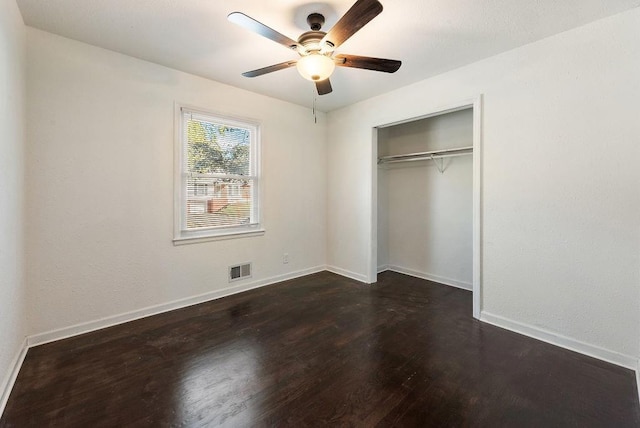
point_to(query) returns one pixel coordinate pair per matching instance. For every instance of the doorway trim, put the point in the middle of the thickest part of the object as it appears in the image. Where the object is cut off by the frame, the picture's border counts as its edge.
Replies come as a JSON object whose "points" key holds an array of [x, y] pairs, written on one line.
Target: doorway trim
{"points": [[474, 103]]}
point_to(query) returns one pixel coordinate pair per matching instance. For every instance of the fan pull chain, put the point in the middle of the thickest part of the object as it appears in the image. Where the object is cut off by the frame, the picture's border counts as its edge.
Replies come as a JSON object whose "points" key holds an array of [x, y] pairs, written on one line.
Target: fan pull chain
{"points": [[315, 116]]}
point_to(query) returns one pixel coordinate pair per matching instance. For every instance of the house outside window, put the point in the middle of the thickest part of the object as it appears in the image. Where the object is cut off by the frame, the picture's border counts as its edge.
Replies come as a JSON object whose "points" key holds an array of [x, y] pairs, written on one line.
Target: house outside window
{"points": [[217, 177]]}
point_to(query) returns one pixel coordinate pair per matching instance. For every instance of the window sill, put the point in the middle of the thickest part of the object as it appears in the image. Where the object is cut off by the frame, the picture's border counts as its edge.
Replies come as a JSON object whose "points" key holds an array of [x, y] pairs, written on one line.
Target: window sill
{"points": [[221, 237]]}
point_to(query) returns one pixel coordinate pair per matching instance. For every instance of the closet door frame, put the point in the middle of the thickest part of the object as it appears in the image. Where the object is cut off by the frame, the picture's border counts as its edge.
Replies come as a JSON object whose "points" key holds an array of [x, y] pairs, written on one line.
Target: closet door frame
{"points": [[475, 104]]}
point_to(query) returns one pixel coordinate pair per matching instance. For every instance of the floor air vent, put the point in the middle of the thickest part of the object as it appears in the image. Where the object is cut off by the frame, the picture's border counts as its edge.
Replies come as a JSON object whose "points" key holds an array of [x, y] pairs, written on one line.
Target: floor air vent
{"points": [[239, 272]]}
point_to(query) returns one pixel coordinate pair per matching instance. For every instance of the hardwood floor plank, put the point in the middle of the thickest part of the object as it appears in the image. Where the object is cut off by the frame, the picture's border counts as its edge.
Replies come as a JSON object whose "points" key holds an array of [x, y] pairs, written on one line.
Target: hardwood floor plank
{"points": [[321, 350]]}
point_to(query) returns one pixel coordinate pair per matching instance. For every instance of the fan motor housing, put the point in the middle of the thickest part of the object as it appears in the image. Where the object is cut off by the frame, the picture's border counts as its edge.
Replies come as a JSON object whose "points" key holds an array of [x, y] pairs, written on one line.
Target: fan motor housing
{"points": [[311, 37], [310, 41]]}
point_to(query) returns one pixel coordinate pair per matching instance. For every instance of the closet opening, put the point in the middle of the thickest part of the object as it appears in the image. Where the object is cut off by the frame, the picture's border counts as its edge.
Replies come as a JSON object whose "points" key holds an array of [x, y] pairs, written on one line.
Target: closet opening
{"points": [[426, 188]]}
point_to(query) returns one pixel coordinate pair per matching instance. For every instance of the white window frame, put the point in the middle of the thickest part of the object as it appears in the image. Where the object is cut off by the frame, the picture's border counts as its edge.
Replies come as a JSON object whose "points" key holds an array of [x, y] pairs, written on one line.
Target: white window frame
{"points": [[182, 235]]}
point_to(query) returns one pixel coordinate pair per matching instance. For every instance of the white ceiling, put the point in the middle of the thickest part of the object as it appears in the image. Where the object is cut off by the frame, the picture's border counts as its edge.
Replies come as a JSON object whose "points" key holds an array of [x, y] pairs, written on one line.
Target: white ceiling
{"points": [[428, 36]]}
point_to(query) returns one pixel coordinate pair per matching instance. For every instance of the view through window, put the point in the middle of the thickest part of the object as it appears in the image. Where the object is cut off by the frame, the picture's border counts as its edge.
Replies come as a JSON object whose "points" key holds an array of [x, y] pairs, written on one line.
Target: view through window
{"points": [[219, 175]]}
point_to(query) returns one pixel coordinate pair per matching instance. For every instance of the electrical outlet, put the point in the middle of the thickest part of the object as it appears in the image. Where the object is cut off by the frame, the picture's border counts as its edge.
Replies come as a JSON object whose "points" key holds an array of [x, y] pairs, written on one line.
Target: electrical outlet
{"points": [[285, 258]]}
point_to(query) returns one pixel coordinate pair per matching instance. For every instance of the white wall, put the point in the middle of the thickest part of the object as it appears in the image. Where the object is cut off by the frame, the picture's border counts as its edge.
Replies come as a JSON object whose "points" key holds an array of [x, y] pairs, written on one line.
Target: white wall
{"points": [[424, 216], [382, 219], [100, 185], [13, 314], [560, 196]]}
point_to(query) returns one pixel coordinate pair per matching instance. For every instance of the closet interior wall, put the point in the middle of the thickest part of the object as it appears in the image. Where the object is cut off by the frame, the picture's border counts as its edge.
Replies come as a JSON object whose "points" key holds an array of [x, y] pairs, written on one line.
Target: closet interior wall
{"points": [[425, 222]]}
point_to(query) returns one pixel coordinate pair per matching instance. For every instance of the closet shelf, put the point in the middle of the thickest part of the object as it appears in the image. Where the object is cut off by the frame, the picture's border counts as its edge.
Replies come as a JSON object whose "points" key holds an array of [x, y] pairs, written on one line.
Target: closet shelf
{"points": [[435, 154]]}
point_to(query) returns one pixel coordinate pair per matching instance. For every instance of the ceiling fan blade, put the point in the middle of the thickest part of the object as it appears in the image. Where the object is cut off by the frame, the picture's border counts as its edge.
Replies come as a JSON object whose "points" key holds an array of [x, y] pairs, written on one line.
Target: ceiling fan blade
{"points": [[357, 17], [369, 63], [269, 69], [251, 24], [324, 87]]}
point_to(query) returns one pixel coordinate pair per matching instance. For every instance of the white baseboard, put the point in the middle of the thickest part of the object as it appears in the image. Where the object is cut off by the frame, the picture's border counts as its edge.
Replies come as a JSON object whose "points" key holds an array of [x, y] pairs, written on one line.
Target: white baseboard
{"points": [[89, 326], [556, 339], [12, 375], [431, 277], [382, 268], [347, 273]]}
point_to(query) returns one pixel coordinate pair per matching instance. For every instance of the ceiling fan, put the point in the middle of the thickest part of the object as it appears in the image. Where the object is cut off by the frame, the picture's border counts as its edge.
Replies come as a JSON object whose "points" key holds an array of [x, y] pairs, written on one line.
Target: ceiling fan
{"points": [[316, 48]]}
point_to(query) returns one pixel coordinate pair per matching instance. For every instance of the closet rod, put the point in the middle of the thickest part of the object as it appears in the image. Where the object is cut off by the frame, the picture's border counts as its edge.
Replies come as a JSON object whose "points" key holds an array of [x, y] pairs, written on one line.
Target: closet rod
{"points": [[435, 154]]}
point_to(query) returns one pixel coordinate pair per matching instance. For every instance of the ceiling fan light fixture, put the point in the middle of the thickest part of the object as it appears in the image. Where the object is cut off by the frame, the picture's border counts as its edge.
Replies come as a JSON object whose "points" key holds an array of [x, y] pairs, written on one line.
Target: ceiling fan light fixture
{"points": [[315, 67], [316, 47]]}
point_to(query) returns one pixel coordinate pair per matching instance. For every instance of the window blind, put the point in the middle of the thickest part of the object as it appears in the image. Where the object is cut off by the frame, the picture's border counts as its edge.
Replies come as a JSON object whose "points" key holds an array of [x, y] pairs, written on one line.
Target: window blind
{"points": [[219, 173]]}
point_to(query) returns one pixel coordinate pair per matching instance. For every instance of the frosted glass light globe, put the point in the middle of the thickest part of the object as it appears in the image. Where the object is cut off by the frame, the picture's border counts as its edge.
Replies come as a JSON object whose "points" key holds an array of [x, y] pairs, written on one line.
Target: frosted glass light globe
{"points": [[315, 67]]}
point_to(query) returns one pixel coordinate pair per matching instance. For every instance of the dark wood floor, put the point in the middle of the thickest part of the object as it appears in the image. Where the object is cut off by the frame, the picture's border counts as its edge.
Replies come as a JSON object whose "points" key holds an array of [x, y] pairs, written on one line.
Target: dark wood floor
{"points": [[319, 351]]}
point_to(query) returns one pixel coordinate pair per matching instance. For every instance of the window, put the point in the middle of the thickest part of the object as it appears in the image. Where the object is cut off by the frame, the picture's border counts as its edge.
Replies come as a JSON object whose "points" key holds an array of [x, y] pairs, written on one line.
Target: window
{"points": [[217, 182]]}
